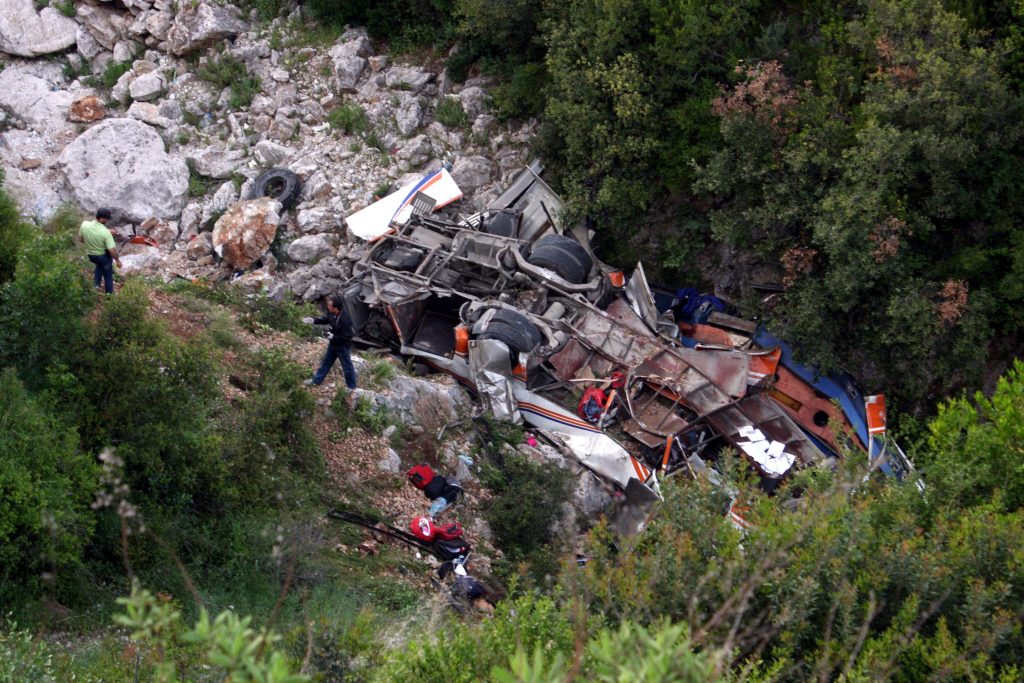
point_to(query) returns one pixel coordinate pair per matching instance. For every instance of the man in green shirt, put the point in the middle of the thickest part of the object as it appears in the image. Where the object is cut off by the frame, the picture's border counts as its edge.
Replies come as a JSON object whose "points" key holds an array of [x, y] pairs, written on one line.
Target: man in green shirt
{"points": [[99, 247]]}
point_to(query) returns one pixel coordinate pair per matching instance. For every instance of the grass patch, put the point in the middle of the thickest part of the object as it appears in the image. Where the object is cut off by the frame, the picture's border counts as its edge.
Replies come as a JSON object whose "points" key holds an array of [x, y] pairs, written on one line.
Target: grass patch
{"points": [[450, 113], [348, 118], [226, 71], [108, 79], [265, 313], [381, 373]]}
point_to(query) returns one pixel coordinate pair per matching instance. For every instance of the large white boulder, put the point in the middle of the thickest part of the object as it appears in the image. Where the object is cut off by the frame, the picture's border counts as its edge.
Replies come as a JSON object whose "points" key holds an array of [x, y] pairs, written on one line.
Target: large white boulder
{"points": [[33, 100], [121, 164], [198, 26], [27, 33], [246, 231]]}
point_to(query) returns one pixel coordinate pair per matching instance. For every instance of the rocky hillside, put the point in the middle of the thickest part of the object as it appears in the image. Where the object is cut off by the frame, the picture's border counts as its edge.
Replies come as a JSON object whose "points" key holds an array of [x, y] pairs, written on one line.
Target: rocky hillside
{"points": [[167, 112]]}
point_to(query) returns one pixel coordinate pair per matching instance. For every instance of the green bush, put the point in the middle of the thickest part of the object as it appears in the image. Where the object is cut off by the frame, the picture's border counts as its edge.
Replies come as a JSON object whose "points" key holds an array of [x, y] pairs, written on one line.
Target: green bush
{"points": [[468, 652], [266, 437], [152, 395], [527, 500], [348, 118], [227, 71], [24, 657], [450, 113], [13, 233], [111, 74], [46, 485], [42, 309], [285, 316]]}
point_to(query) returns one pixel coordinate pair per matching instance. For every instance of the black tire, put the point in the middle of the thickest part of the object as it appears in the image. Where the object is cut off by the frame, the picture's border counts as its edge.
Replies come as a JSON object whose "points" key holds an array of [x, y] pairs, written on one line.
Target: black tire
{"points": [[515, 330], [280, 184], [563, 255]]}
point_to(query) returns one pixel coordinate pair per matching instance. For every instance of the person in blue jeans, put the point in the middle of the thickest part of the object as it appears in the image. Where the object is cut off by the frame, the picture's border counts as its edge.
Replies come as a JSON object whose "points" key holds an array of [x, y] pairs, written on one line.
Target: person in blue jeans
{"points": [[99, 247], [339, 345]]}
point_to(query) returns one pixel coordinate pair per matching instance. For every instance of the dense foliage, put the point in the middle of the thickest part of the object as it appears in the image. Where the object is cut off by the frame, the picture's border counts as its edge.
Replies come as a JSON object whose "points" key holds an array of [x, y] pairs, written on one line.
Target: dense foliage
{"points": [[863, 154]]}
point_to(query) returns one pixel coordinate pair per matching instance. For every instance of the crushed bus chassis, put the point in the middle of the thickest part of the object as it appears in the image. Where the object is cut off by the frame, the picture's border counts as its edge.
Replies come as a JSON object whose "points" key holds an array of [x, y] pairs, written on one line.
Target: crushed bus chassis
{"points": [[518, 309]]}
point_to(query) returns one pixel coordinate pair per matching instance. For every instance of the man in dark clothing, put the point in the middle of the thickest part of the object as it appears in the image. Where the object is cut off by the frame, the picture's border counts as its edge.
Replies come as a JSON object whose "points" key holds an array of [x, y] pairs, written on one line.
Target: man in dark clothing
{"points": [[339, 346]]}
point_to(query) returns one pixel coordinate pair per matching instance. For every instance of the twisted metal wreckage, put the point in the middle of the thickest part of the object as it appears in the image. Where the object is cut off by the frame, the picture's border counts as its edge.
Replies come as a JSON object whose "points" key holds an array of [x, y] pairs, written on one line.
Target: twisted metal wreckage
{"points": [[516, 307]]}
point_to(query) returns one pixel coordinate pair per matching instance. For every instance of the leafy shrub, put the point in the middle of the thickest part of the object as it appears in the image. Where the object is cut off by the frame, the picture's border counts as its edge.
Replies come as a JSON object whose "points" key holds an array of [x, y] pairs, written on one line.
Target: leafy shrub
{"points": [[166, 391], [24, 657], [284, 316], [449, 112], [226, 71], [13, 233], [47, 484], [42, 309], [113, 72], [522, 93], [266, 438], [468, 651], [527, 500], [348, 118]]}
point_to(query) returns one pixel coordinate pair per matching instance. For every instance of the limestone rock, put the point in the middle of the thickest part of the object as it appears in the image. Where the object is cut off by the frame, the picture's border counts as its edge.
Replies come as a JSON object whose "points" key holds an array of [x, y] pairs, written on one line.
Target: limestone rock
{"points": [[148, 113], [157, 24], [216, 162], [32, 100], [200, 26], [391, 462], [121, 164], [310, 249], [26, 33], [414, 153], [347, 70], [474, 101], [411, 78], [162, 232], [88, 109], [409, 116], [120, 91], [224, 197], [326, 277], [106, 26], [319, 219], [471, 173], [200, 246], [147, 261], [88, 46], [148, 86], [246, 231], [420, 402], [269, 154]]}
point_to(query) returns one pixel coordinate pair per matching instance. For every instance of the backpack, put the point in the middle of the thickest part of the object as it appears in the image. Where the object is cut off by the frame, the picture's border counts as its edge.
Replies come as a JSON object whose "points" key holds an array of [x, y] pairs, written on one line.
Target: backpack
{"points": [[448, 550], [423, 528], [448, 532], [420, 476], [591, 405]]}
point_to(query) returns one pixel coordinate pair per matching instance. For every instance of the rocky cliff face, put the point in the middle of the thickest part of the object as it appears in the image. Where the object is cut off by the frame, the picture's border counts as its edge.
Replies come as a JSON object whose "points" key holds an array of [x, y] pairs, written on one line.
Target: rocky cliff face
{"points": [[169, 112]]}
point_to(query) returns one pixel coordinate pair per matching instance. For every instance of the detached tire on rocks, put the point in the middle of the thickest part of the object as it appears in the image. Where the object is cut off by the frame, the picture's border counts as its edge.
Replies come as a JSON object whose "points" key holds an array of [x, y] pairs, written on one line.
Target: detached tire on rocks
{"points": [[280, 184], [563, 255], [519, 334]]}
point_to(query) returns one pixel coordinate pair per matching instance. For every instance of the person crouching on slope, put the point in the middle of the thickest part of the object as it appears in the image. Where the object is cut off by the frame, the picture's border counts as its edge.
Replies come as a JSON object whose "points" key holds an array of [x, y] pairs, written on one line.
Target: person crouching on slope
{"points": [[339, 346]]}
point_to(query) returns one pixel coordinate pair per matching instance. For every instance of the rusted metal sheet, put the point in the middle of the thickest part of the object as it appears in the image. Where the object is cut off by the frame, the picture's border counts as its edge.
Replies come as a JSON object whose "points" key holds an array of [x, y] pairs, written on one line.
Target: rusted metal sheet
{"points": [[570, 359], [639, 293], [727, 369], [615, 340]]}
